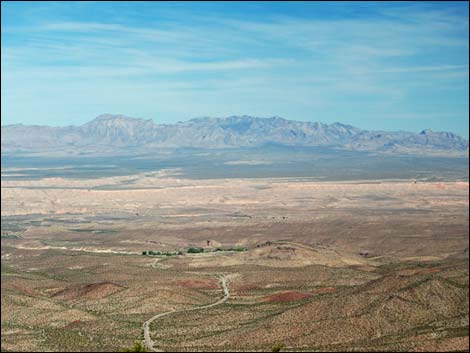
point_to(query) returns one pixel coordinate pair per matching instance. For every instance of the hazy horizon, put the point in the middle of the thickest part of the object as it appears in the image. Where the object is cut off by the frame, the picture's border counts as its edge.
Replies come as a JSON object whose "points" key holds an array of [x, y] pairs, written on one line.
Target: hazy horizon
{"points": [[378, 66], [223, 117]]}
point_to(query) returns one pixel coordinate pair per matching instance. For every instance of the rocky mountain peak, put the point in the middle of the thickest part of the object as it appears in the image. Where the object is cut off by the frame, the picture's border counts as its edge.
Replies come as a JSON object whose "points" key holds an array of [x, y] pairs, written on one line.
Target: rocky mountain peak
{"points": [[227, 132]]}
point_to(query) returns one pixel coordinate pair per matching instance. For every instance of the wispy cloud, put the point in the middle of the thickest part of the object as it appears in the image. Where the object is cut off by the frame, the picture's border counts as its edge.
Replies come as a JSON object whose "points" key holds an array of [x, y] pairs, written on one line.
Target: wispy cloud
{"points": [[330, 66], [424, 68], [425, 116]]}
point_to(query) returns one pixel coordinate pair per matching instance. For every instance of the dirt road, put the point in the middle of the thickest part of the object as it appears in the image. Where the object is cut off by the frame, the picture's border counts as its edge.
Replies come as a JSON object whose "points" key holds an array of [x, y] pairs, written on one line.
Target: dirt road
{"points": [[148, 341]]}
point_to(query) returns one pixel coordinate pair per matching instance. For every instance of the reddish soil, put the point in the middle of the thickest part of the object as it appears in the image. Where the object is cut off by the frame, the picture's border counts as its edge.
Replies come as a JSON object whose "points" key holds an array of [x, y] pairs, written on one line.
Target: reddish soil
{"points": [[24, 289], [287, 297], [74, 323], [244, 287], [89, 291]]}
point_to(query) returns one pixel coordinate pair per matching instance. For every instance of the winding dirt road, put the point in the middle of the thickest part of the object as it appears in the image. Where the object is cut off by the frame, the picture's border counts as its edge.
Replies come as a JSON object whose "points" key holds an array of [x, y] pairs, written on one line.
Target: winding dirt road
{"points": [[148, 341]]}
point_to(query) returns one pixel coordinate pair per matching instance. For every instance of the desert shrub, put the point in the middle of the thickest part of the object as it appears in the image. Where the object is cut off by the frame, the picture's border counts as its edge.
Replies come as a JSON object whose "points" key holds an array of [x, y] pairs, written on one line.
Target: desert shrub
{"points": [[138, 347], [195, 250], [237, 248], [160, 253], [277, 347]]}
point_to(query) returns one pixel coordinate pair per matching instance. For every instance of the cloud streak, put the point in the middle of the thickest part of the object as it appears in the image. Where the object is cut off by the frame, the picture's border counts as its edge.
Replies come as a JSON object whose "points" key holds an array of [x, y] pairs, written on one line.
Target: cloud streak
{"points": [[331, 65]]}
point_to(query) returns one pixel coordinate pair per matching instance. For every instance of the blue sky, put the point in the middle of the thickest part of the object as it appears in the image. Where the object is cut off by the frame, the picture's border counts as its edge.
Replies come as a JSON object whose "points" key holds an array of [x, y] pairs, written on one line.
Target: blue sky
{"points": [[391, 66]]}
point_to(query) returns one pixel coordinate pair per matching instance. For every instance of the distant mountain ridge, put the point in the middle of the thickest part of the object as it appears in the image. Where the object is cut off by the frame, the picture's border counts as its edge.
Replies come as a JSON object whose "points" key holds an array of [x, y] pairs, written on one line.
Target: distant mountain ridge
{"points": [[118, 131]]}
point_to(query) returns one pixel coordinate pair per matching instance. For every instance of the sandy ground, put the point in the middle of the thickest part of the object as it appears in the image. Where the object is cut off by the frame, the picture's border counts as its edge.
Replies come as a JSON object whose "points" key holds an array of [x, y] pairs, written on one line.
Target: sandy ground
{"points": [[170, 196], [328, 265]]}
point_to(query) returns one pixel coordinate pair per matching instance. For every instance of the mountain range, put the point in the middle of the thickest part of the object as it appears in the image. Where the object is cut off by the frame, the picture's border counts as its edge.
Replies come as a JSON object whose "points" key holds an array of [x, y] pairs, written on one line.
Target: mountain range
{"points": [[108, 132]]}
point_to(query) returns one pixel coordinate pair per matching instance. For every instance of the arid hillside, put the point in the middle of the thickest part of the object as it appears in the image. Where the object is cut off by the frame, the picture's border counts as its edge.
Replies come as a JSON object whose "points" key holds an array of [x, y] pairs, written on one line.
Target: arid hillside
{"points": [[89, 264]]}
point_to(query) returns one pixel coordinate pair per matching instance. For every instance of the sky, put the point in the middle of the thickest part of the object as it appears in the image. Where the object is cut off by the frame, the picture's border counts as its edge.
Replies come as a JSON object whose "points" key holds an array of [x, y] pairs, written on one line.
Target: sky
{"points": [[374, 65]]}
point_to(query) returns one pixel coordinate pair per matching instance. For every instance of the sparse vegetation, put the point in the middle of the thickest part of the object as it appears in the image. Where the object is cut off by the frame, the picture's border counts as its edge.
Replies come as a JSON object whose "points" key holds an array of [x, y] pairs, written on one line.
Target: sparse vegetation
{"points": [[278, 347], [92, 291], [161, 253], [236, 248], [6, 235], [195, 250], [137, 347]]}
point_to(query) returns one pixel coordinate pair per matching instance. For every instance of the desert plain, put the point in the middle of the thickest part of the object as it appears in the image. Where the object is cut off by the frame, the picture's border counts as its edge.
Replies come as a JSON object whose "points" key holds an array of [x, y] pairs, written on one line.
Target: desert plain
{"points": [[309, 264]]}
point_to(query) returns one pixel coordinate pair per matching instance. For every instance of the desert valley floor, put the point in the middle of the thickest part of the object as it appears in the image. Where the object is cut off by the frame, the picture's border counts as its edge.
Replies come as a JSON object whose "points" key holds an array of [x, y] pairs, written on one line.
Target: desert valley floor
{"points": [[309, 265]]}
